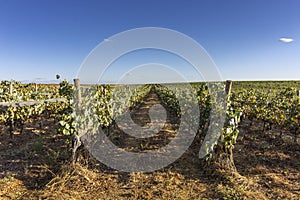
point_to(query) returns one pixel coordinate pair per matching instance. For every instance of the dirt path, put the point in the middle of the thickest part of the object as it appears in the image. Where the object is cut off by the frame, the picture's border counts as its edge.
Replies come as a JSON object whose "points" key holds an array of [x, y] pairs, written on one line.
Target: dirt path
{"points": [[165, 128]]}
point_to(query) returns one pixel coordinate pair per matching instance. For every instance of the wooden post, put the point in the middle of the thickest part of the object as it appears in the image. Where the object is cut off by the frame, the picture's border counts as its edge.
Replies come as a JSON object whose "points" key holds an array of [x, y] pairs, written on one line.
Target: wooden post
{"points": [[77, 142], [10, 88], [77, 90], [35, 87], [228, 88], [298, 95]]}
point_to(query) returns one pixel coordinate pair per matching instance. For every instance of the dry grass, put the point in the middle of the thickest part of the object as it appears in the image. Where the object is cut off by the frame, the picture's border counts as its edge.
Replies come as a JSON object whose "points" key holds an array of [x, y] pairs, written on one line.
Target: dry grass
{"points": [[36, 165], [31, 172]]}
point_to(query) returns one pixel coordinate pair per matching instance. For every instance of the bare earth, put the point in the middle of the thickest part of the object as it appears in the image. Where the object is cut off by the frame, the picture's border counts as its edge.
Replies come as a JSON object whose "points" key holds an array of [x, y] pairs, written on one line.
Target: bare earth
{"points": [[35, 164]]}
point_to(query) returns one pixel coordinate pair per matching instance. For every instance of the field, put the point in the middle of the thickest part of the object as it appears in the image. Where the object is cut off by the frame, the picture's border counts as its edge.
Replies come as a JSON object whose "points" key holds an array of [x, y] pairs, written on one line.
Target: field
{"points": [[36, 161]]}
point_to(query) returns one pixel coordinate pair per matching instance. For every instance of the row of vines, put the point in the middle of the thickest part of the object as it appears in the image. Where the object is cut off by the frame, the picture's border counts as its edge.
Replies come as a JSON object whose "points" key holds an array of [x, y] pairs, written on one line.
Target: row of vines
{"points": [[279, 109], [87, 108], [17, 116]]}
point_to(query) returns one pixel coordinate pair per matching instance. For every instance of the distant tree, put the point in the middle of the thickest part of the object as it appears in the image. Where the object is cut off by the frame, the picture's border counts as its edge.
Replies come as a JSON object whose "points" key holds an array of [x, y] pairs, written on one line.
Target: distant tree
{"points": [[57, 76]]}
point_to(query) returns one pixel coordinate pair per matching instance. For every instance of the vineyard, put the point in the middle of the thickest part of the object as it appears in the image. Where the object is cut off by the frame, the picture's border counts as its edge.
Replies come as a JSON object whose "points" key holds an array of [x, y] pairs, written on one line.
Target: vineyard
{"points": [[256, 154]]}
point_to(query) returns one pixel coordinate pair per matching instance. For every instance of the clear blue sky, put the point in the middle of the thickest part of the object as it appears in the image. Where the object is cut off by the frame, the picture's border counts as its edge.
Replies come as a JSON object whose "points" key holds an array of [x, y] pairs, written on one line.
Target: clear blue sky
{"points": [[42, 38]]}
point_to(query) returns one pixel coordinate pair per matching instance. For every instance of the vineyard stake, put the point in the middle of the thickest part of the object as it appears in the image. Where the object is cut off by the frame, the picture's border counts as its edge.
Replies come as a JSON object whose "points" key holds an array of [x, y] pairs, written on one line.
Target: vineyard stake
{"points": [[36, 87], [77, 88], [228, 88], [10, 88]]}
